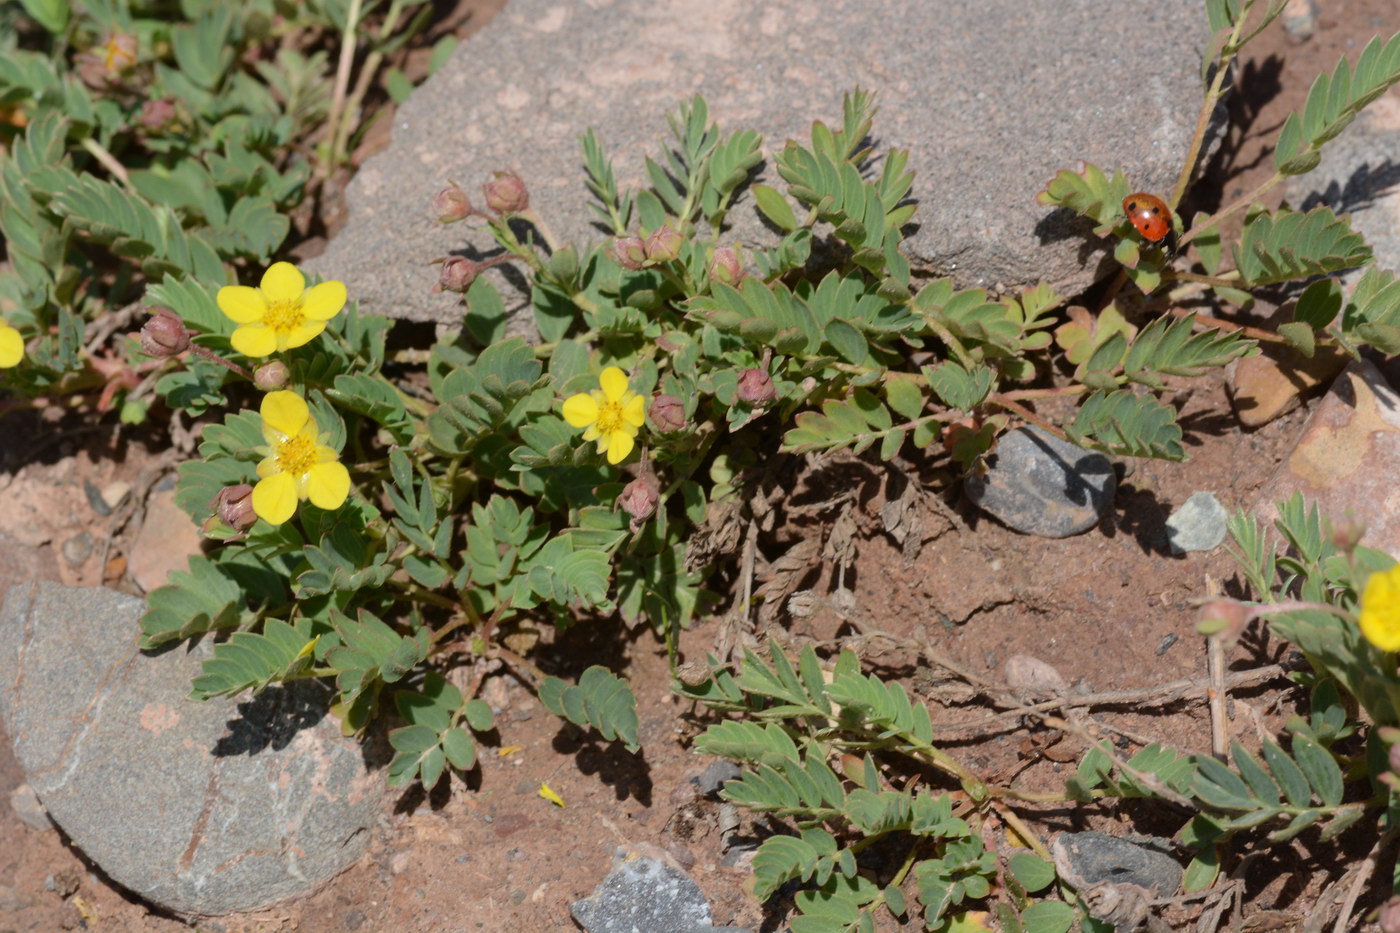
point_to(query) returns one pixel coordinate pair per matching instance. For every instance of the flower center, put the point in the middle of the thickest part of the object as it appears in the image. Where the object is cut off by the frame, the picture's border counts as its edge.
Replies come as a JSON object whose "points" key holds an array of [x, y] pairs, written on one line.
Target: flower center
{"points": [[283, 316], [296, 455], [610, 417]]}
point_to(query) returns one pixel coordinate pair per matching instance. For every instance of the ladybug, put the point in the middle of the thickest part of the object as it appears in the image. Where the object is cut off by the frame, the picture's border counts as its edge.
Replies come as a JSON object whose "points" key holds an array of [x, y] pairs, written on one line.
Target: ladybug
{"points": [[1149, 214]]}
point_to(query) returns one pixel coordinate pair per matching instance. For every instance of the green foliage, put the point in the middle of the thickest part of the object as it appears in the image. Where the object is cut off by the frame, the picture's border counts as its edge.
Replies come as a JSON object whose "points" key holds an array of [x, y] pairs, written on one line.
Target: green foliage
{"points": [[441, 723], [600, 700], [252, 660], [1291, 245]]}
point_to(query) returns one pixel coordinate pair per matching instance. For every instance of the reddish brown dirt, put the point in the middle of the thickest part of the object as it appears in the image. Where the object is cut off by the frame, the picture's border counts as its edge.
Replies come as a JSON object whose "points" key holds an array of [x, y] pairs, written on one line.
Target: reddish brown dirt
{"points": [[1109, 609]]}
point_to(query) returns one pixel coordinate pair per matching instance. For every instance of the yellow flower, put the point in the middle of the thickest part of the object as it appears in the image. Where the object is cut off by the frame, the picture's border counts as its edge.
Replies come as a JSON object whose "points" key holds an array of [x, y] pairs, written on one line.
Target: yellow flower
{"points": [[298, 466], [611, 414], [281, 313], [11, 346], [1380, 609]]}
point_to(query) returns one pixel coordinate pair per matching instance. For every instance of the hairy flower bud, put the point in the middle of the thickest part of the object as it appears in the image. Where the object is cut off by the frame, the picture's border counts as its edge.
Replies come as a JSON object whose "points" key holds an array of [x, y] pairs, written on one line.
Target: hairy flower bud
{"points": [[451, 205], [505, 193], [725, 265], [639, 498], [457, 274], [667, 413], [664, 244], [234, 506], [630, 252], [755, 386], [156, 114], [1389, 919], [102, 66], [164, 334], [269, 377]]}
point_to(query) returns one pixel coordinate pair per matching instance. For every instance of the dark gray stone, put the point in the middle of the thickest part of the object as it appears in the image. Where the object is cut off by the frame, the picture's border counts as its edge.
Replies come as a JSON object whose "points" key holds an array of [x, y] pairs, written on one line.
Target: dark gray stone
{"points": [[1089, 858], [1041, 485], [716, 773], [201, 808], [991, 98], [1199, 525], [643, 893]]}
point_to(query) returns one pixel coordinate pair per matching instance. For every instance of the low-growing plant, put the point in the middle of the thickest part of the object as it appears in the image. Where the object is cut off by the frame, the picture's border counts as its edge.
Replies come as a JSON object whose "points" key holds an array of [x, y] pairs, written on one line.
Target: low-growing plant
{"points": [[390, 520]]}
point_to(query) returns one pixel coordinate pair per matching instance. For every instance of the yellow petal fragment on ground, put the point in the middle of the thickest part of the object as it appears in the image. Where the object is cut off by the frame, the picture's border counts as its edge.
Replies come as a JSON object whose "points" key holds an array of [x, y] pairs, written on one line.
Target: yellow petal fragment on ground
{"points": [[548, 793]]}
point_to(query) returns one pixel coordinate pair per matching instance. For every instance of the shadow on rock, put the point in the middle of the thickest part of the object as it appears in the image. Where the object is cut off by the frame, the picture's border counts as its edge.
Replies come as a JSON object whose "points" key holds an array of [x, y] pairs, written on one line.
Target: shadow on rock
{"points": [[273, 718]]}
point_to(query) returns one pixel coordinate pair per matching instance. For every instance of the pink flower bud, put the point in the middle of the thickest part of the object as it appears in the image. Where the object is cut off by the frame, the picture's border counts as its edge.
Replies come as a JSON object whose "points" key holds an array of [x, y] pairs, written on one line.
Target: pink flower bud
{"points": [[1234, 615], [234, 506], [630, 252], [451, 204], [457, 274], [667, 413], [664, 244], [639, 498], [164, 334], [505, 193], [1394, 758], [1389, 919], [755, 386], [269, 377], [725, 265], [156, 114]]}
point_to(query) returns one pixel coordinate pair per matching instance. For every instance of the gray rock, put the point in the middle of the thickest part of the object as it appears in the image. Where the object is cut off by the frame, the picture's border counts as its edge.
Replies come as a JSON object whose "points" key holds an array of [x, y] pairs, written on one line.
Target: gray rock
{"points": [[201, 808], [1199, 525], [1041, 485], [643, 893], [1360, 175], [25, 803], [714, 776], [991, 97], [1300, 19], [1086, 859]]}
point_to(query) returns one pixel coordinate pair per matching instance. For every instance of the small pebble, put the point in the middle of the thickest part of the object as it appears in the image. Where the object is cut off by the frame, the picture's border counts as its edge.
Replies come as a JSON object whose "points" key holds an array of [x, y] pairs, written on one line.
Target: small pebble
{"points": [[1167, 641], [716, 773], [1199, 525], [77, 549]]}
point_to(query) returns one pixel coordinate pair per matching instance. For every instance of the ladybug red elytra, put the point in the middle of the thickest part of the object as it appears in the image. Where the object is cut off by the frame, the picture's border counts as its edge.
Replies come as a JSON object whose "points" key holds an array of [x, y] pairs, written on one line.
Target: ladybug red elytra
{"points": [[1149, 214]]}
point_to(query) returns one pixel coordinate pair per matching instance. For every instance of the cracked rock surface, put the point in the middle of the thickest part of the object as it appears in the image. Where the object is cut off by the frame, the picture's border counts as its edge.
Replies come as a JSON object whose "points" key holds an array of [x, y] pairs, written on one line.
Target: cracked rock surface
{"points": [[201, 808]]}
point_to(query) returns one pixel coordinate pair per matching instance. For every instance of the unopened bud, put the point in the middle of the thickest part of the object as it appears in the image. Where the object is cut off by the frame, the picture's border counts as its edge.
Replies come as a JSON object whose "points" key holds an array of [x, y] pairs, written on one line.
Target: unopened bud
{"points": [[234, 506], [725, 265], [1394, 758], [505, 193], [164, 334], [755, 386], [1347, 534], [1389, 919], [630, 252], [1226, 618], [451, 204], [664, 244], [457, 274], [157, 114], [103, 65], [639, 498], [269, 377], [667, 413]]}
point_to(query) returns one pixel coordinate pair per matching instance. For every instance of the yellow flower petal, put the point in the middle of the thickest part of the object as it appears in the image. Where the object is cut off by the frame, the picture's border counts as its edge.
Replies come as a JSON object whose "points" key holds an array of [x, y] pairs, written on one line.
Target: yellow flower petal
{"points": [[327, 485], [241, 304], [283, 282], [254, 340], [275, 498], [285, 411], [620, 444], [303, 333], [580, 410], [267, 466], [1380, 609], [592, 433], [613, 382], [548, 793], [323, 302], [11, 347], [634, 410]]}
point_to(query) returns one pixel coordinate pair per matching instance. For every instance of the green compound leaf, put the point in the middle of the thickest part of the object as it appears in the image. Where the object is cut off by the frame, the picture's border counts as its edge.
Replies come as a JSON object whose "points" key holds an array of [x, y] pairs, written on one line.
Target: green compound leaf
{"points": [[1320, 768], [1169, 346], [1333, 102], [781, 859], [883, 705], [376, 399], [432, 739], [601, 700], [1287, 245], [252, 660], [1088, 192], [1048, 917], [746, 740], [775, 207], [478, 395], [786, 784], [204, 598], [1123, 423], [958, 388], [856, 422], [1372, 313]]}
